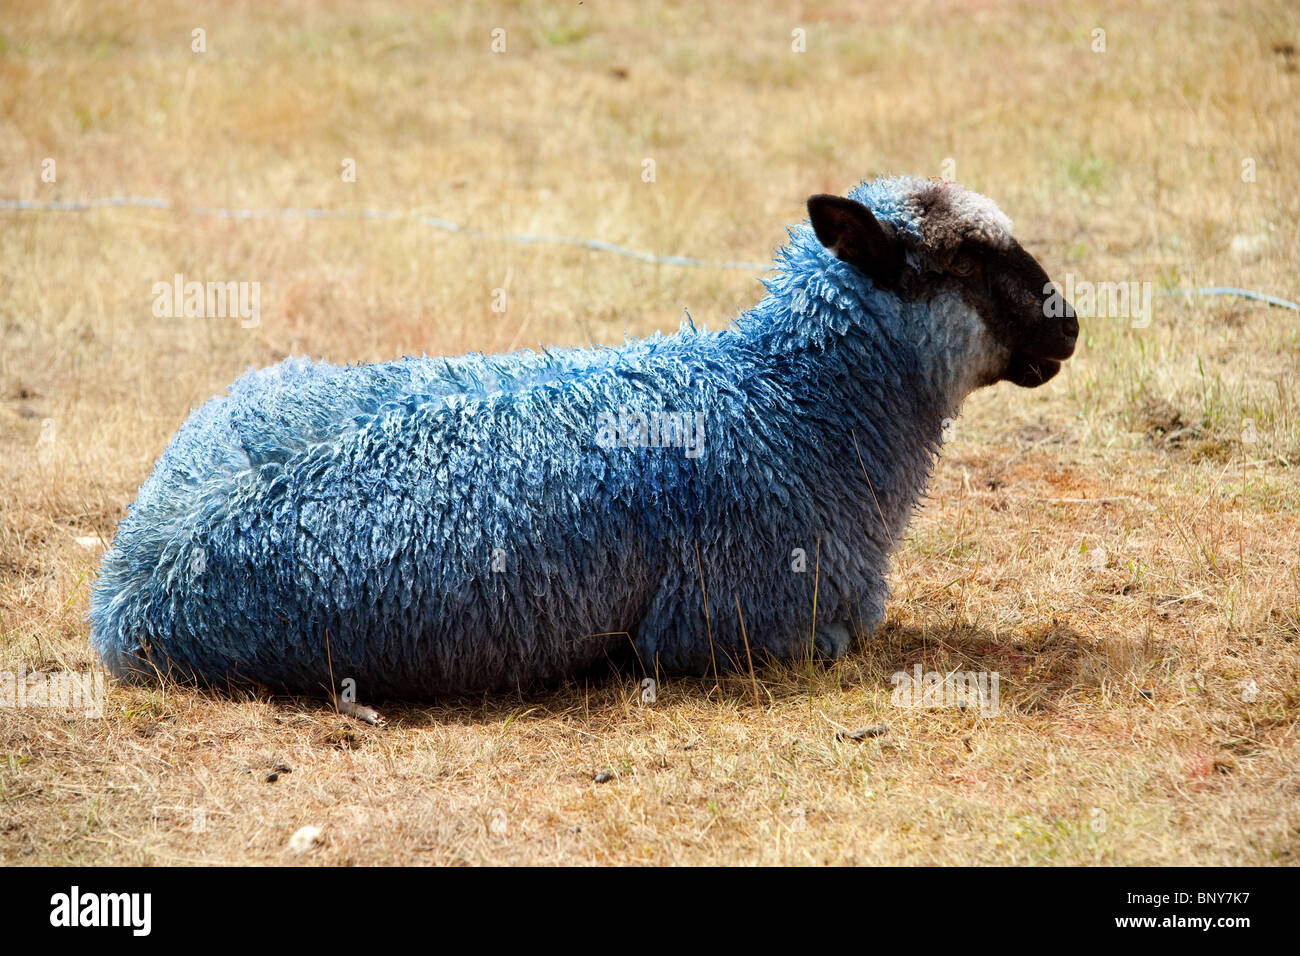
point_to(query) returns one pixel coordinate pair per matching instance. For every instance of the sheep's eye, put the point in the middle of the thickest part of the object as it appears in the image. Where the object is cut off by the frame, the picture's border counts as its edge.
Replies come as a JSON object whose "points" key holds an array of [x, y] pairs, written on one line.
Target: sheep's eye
{"points": [[963, 266]]}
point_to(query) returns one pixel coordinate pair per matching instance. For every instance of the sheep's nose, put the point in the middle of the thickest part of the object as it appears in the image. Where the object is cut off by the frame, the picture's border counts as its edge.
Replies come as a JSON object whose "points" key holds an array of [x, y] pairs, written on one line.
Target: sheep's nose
{"points": [[1069, 324]]}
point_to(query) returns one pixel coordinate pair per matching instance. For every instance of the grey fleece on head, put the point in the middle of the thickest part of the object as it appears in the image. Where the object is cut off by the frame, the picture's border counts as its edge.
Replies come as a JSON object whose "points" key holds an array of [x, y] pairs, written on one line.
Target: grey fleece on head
{"points": [[939, 214]]}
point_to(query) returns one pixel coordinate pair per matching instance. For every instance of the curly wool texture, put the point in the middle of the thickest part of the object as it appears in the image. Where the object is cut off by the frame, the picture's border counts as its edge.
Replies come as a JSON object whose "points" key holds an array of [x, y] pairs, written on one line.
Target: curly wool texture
{"points": [[437, 526]]}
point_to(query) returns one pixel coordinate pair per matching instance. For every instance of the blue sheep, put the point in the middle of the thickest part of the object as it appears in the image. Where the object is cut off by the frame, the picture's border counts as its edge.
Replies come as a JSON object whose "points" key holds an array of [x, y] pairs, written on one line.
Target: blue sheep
{"points": [[437, 526]]}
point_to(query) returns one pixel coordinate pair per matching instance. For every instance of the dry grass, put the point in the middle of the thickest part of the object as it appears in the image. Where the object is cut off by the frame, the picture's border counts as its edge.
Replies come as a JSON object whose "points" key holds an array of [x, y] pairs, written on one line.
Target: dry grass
{"points": [[1108, 544]]}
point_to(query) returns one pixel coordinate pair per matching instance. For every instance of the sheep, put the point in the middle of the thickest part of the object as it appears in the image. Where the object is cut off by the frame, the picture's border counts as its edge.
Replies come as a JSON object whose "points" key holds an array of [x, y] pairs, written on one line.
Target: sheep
{"points": [[432, 527]]}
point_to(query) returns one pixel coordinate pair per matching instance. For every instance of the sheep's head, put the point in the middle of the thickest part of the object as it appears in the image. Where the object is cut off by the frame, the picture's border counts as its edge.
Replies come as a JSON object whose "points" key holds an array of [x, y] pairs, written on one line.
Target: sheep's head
{"points": [[923, 239]]}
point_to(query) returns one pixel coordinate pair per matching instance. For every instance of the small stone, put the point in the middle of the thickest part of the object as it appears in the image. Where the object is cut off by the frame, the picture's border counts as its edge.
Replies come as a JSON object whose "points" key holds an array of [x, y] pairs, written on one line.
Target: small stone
{"points": [[305, 839], [863, 733], [272, 777], [361, 712], [604, 777], [1249, 246]]}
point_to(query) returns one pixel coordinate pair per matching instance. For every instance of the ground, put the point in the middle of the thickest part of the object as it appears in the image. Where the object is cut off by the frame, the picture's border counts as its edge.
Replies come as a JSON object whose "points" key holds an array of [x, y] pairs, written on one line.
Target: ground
{"points": [[1119, 546]]}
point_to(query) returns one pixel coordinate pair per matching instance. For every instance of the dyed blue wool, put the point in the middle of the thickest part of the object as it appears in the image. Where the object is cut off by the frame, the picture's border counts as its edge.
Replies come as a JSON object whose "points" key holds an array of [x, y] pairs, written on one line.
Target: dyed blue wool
{"points": [[436, 526]]}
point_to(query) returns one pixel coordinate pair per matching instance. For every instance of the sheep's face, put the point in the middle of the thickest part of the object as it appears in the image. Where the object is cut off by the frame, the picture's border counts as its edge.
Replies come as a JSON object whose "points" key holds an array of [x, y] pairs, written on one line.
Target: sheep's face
{"points": [[924, 240]]}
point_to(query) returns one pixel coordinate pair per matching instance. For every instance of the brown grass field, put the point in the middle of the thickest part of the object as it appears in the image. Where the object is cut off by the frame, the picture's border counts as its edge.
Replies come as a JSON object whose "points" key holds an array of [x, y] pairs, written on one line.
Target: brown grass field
{"points": [[1120, 546]]}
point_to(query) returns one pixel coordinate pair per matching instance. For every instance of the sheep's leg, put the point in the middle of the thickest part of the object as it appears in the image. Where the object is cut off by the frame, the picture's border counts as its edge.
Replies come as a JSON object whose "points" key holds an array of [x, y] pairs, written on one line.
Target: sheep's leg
{"points": [[835, 637], [678, 636], [833, 640]]}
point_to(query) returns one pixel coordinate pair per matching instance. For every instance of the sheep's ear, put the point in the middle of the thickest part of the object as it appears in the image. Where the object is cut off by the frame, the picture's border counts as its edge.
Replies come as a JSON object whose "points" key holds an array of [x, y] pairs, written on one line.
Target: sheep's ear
{"points": [[854, 235]]}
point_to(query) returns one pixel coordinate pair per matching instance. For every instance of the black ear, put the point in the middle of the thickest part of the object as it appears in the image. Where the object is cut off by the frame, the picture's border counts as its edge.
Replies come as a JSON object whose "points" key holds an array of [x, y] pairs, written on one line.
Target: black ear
{"points": [[854, 235]]}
